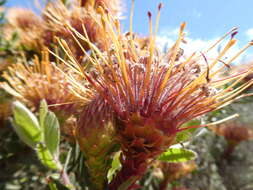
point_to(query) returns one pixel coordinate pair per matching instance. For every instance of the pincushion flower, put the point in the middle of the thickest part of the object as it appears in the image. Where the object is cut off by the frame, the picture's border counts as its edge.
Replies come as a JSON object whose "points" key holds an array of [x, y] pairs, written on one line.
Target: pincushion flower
{"points": [[28, 26], [113, 6], [38, 80], [173, 171], [234, 132], [37, 32], [153, 94], [57, 16]]}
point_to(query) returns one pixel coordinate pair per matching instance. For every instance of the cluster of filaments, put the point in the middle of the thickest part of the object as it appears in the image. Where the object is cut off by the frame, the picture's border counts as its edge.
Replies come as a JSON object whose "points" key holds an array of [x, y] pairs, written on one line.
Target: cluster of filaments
{"points": [[139, 81], [37, 32], [34, 81]]}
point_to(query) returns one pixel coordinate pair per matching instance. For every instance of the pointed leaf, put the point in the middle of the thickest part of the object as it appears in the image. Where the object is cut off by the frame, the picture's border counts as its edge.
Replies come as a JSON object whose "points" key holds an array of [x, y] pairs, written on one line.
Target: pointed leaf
{"points": [[177, 155], [116, 165], [23, 135], [52, 186], [43, 113], [67, 160], [26, 124], [46, 158], [52, 133]]}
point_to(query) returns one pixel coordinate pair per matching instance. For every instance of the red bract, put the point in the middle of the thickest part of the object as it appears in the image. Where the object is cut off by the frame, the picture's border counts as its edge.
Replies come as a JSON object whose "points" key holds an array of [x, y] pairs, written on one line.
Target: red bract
{"points": [[95, 134]]}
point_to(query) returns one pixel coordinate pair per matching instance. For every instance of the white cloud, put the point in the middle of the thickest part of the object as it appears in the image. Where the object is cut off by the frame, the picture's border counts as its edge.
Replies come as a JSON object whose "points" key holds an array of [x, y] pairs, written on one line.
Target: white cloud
{"points": [[165, 40], [168, 32], [249, 33]]}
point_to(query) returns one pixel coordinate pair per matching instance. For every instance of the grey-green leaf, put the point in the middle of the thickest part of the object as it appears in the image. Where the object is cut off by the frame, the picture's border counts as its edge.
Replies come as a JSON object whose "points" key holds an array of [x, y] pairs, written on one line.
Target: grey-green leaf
{"points": [[23, 135], [47, 158], [177, 155], [43, 112], [26, 125], [52, 133]]}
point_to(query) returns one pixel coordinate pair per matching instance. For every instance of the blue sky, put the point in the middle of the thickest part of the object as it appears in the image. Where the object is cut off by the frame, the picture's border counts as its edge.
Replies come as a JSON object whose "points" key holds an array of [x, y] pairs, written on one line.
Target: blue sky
{"points": [[206, 19]]}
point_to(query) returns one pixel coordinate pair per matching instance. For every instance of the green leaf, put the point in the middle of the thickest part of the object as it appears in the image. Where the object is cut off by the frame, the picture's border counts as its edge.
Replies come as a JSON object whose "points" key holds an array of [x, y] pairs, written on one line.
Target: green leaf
{"points": [[26, 125], [2, 2], [59, 186], [177, 155], [116, 165], [52, 186], [43, 113], [67, 160], [47, 158], [187, 134], [52, 133], [54, 183], [191, 123], [23, 135], [183, 136]]}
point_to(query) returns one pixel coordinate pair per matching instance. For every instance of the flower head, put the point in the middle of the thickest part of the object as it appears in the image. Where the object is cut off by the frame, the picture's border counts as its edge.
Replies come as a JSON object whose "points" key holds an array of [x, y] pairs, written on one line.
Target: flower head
{"points": [[173, 171], [153, 94], [33, 82], [85, 20], [22, 18], [113, 6], [233, 131], [151, 90], [37, 32], [28, 27]]}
